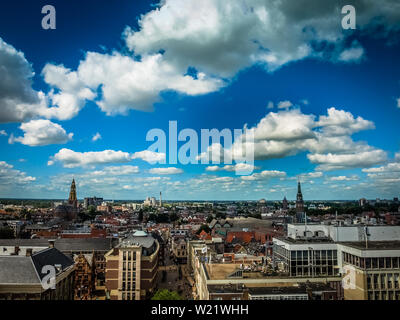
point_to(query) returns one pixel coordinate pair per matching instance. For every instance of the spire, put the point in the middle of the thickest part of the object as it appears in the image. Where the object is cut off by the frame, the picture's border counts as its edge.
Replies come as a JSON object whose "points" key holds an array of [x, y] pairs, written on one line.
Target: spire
{"points": [[72, 194]]}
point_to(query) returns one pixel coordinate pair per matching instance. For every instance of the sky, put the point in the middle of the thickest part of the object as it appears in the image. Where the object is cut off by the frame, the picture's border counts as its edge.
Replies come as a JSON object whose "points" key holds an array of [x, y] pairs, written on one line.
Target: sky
{"points": [[78, 101]]}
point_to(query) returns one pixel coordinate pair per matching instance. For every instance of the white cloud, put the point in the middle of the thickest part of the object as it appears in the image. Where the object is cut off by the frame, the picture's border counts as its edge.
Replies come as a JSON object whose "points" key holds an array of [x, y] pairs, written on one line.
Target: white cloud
{"points": [[353, 54], [150, 156], [96, 137], [41, 133], [330, 161], [238, 167], [340, 122], [222, 37], [3, 133], [284, 104], [125, 83], [18, 101], [398, 103], [168, 170], [264, 175], [72, 159], [344, 178], [270, 105], [10, 177], [116, 171]]}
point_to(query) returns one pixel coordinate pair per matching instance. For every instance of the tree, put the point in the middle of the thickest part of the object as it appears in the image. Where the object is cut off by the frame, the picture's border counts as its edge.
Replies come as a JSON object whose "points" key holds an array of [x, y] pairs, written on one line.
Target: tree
{"points": [[140, 217], [209, 218], [164, 294], [204, 227], [6, 233]]}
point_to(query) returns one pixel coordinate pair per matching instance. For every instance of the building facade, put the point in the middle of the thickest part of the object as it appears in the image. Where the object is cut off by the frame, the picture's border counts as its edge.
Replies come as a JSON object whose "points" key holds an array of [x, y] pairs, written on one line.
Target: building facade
{"points": [[132, 268]]}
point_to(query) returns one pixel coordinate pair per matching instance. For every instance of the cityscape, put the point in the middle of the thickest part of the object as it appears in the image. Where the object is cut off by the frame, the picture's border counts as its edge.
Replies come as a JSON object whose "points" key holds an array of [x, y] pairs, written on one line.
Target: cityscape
{"points": [[232, 250], [199, 150]]}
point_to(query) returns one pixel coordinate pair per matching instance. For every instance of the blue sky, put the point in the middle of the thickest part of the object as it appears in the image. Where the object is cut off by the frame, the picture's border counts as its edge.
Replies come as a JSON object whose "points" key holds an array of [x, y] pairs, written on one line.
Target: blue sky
{"points": [[116, 70]]}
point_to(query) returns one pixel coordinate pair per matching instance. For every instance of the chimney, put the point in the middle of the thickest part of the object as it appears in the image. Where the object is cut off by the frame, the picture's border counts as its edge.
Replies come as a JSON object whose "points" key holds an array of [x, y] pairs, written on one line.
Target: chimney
{"points": [[51, 243], [29, 252]]}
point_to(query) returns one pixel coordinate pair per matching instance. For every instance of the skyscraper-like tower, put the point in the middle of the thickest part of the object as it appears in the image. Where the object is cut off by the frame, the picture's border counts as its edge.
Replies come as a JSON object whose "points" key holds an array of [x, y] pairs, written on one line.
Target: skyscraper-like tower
{"points": [[299, 199], [160, 199], [72, 200]]}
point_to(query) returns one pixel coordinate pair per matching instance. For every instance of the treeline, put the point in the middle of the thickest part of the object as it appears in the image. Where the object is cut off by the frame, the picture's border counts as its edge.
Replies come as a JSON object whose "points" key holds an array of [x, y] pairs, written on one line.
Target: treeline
{"points": [[29, 202]]}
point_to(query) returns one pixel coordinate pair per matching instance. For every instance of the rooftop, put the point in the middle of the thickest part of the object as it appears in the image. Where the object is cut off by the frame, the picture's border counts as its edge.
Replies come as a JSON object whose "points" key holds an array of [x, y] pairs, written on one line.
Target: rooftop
{"points": [[374, 245]]}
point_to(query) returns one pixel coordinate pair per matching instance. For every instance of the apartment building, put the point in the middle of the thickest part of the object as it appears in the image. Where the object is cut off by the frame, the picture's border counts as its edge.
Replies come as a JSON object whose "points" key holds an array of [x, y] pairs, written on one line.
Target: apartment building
{"points": [[132, 267]]}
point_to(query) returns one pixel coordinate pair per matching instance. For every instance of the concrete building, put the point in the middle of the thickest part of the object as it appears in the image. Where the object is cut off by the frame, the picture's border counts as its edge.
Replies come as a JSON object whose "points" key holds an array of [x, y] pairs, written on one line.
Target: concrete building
{"points": [[371, 270], [132, 267]]}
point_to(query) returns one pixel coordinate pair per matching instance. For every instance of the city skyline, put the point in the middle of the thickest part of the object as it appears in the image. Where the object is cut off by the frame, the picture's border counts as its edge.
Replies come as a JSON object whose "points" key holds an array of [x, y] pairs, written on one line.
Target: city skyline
{"points": [[78, 101]]}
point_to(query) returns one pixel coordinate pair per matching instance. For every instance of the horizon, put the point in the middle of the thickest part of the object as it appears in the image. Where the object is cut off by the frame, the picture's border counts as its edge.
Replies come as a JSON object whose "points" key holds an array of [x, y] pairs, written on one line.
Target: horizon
{"points": [[97, 101]]}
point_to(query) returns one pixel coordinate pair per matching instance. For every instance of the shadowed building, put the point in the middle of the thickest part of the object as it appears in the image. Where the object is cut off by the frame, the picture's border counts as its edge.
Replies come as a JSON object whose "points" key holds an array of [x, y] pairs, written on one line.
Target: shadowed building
{"points": [[132, 267], [21, 277]]}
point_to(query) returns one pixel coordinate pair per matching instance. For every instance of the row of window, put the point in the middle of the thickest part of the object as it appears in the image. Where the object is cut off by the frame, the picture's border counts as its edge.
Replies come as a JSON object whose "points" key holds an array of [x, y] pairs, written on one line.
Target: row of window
{"points": [[372, 263], [383, 295], [383, 281]]}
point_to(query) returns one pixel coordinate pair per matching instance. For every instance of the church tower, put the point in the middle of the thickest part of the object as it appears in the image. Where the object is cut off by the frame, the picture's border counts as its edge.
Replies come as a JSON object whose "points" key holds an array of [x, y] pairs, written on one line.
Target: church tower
{"points": [[72, 200], [299, 199]]}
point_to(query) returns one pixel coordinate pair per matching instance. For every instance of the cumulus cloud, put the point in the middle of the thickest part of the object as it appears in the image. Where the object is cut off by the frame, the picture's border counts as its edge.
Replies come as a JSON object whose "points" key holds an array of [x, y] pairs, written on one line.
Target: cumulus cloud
{"points": [[353, 54], [340, 122], [238, 167], [150, 156], [125, 83], [344, 178], [18, 101], [327, 140], [72, 159], [168, 170], [10, 176], [96, 137], [3, 133], [284, 104], [331, 161], [220, 37], [398, 103], [116, 171], [41, 133], [264, 175]]}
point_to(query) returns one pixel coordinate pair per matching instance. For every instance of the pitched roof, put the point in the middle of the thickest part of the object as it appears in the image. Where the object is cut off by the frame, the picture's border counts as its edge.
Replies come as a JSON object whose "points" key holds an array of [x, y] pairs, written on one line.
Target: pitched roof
{"points": [[28, 270]]}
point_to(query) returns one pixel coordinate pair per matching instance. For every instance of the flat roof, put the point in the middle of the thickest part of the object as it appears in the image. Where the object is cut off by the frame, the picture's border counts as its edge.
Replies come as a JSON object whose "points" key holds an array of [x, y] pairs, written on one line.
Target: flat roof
{"points": [[373, 245]]}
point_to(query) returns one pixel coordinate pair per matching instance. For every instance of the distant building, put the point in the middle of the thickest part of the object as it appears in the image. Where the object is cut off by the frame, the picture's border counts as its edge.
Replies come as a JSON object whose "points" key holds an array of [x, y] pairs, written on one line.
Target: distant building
{"points": [[132, 268], [93, 201], [285, 204], [362, 202], [299, 199], [69, 210]]}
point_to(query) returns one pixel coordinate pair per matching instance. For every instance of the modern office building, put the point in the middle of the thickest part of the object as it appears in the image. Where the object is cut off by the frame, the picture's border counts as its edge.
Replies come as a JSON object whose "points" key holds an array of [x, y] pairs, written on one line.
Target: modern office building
{"points": [[371, 270]]}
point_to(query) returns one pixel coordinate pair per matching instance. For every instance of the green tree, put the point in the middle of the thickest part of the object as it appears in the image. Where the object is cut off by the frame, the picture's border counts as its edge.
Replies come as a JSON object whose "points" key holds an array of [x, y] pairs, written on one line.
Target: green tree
{"points": [[164, 294], [209, 218], [140, 216]]}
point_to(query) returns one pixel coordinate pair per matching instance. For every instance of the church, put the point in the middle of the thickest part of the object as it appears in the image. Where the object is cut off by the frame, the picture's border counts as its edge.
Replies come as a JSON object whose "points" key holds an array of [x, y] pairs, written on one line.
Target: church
{"points": [[68, 210]]}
